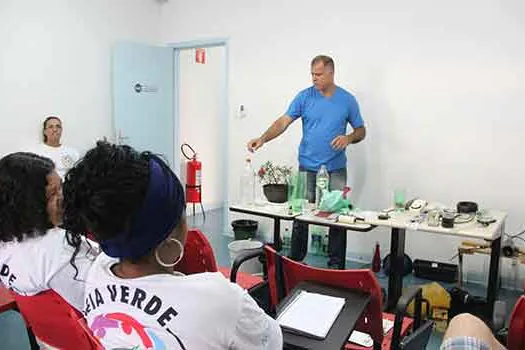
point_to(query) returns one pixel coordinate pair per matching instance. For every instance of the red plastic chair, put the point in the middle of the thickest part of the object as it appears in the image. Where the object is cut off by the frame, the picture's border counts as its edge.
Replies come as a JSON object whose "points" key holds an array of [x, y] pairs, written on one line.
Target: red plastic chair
{"points": [[516, 333], [199, 257], [284, 274], [7, 301], [53, 321]]}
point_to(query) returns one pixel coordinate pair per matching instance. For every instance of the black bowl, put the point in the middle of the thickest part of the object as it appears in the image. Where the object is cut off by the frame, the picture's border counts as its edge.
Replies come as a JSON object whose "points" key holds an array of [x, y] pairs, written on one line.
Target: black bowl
{"points": [[276, 193]]}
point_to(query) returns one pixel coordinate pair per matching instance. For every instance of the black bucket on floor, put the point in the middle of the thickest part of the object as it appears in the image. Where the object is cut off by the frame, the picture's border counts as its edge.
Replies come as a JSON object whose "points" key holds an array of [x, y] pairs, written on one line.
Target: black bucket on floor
{"points": [[244, 229]]}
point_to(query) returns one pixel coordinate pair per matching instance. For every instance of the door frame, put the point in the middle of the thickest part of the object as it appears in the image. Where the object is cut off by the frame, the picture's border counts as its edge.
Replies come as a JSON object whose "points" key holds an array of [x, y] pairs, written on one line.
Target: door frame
{"points": [[205, 43]]}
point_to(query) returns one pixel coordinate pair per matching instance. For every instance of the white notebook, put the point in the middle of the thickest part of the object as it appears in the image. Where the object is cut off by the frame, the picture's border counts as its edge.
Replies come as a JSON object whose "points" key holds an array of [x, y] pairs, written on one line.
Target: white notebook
{"points": [[311, 314]]}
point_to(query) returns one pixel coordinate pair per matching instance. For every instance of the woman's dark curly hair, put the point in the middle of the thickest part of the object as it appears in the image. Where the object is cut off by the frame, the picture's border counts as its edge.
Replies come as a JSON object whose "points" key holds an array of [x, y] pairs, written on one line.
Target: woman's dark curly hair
{"points": [[23, 201], [104, 191]]}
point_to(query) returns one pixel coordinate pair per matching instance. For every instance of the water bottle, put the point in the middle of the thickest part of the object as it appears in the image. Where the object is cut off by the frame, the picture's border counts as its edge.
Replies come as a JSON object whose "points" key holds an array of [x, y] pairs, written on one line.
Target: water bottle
{"points": [[321, 183], [499, 314], [287, 239], [316, 245], [324, 244], [248, 183]]}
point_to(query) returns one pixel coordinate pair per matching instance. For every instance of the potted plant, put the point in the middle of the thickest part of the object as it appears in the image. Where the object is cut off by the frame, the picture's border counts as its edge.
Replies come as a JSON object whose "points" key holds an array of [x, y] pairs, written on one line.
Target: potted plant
{"points": [[274, 179]]}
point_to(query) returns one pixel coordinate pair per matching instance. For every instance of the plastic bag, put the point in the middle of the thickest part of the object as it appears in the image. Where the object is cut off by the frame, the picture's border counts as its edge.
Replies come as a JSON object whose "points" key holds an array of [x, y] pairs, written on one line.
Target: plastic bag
{"points": [[334, 202], [437, 297], [297, 191]]}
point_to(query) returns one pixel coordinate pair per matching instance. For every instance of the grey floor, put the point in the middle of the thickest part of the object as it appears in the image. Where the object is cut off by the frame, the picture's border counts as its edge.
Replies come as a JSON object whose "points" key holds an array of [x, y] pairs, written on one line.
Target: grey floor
{"points": [[14, 337]]}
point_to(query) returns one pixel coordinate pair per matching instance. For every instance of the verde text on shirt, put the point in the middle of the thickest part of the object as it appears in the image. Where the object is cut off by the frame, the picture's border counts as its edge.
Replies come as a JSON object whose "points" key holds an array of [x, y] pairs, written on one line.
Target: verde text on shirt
{"points": [[9, 276], [135, 297]]}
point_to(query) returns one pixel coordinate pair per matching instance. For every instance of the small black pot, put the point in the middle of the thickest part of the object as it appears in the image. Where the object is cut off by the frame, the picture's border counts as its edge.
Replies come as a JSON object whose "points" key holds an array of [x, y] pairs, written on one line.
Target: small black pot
{"points": [[276, 193], [244, 229]]}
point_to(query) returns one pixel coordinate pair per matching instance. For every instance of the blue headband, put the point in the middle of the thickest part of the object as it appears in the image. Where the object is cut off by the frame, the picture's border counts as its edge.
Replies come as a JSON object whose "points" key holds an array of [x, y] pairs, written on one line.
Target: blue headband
{"points": [[161, 211]]}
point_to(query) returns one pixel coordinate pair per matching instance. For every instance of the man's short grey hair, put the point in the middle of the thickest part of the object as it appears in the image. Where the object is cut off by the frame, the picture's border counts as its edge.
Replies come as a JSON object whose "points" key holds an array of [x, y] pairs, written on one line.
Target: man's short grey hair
{"points": [[326, 60]]}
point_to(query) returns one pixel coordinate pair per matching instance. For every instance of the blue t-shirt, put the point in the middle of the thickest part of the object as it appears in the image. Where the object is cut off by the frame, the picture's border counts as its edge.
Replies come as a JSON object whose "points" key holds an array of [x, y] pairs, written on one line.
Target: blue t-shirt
{"points": [[324, 118]]}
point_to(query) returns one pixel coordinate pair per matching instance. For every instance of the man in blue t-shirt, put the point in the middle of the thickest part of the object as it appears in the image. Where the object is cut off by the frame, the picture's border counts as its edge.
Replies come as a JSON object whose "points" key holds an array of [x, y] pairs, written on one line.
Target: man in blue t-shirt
{"points": [[325, 110]]}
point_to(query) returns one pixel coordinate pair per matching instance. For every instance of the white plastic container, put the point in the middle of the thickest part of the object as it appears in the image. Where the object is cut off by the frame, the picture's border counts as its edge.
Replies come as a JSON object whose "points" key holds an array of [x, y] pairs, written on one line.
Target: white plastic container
{"points": [[252, 266]]}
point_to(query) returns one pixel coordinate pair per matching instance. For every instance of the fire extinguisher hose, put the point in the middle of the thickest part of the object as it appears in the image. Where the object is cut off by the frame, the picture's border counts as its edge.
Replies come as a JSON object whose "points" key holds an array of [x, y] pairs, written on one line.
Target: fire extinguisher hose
{"points": [[191, 149]]}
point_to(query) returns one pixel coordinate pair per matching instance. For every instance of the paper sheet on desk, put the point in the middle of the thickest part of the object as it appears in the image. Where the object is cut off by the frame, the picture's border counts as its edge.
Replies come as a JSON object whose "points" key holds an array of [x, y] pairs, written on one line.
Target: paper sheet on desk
{"points": [[364, 339], [347, 219], [311, 313], [358, 216]]}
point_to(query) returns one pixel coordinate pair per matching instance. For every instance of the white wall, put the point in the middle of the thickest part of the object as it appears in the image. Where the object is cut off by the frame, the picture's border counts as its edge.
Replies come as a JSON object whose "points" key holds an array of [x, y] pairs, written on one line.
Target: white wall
{"points": [[55, 59], [440, 85], [201, 121]]}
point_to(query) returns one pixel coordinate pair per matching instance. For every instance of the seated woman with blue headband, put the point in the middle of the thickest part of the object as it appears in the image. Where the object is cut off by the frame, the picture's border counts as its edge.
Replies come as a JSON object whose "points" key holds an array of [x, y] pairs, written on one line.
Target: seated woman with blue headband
{"points": [[134, 206]]}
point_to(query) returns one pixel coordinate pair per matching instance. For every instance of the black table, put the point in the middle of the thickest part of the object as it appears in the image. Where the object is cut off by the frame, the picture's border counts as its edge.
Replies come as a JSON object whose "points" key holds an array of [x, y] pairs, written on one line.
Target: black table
{"points": [[337, 337]]}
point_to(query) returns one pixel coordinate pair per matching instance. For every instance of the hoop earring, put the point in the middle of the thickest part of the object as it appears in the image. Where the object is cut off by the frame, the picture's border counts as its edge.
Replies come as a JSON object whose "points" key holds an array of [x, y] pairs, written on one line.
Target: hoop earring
{"points": [[179, 258]]}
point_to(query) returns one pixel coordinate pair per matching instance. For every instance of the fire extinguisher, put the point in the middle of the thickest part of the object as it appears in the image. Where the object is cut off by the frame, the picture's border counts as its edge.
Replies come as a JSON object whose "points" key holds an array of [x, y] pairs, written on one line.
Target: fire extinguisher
{"points": [[193, 178]]}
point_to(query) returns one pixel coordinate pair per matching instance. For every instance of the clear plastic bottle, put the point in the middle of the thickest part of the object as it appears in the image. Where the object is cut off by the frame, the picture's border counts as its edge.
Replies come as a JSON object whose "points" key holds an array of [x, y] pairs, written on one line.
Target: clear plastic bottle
{"points": [[515, 272], [248, 183], [287, 239], [316, 243], [321, 183], [324, 244]]}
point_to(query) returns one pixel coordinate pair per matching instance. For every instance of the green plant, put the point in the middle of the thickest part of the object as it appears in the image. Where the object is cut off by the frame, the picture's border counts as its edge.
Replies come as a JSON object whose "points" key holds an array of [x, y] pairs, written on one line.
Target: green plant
{"points": [[269, 173]]}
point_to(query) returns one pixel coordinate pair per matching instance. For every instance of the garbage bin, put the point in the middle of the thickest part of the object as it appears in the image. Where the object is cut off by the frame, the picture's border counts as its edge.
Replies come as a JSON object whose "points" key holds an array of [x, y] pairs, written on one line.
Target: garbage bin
{"points": [[252, 266], [244, 229]]}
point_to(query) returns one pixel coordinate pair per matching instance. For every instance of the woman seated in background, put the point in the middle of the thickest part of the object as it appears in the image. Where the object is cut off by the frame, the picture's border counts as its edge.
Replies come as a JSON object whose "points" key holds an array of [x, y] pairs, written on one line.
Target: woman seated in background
{"points": [[134, 206], [34, 253], [63, 156]]}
